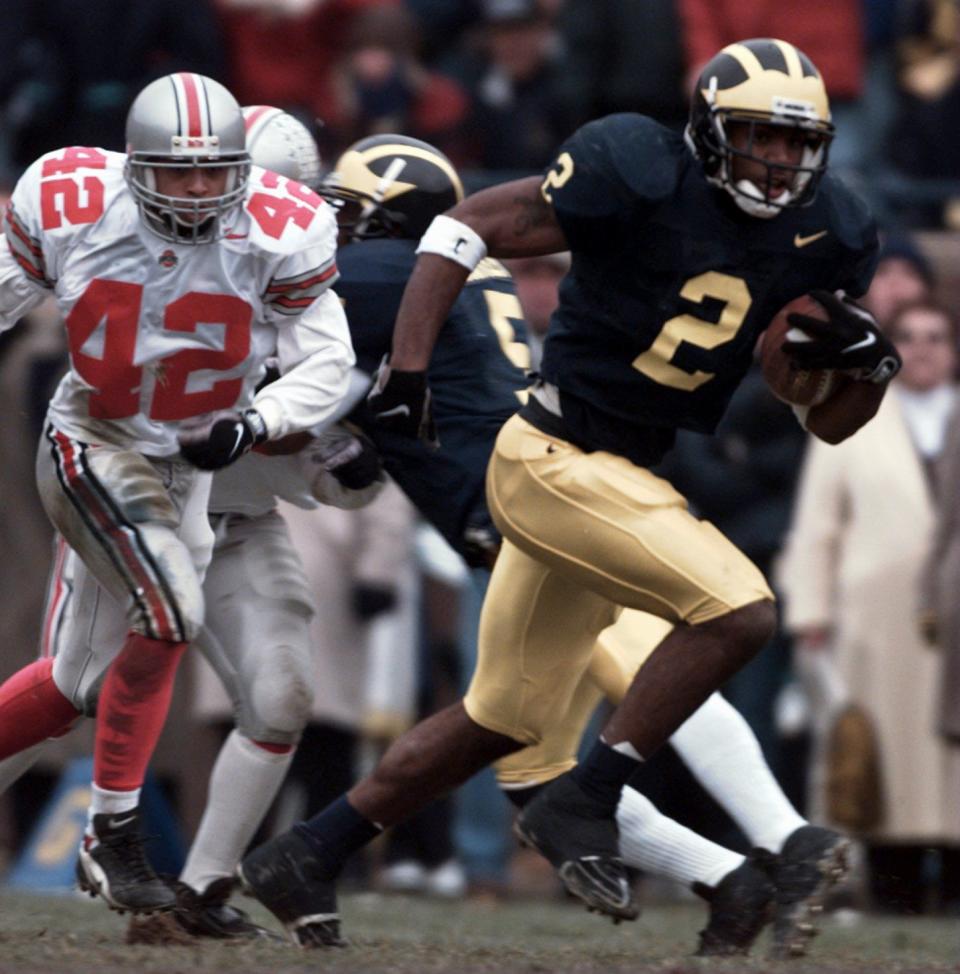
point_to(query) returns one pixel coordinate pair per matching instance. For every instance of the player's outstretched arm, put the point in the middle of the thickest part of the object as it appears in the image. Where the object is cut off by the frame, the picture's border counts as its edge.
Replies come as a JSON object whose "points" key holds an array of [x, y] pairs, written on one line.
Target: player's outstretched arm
{"points": [[510, 220]]}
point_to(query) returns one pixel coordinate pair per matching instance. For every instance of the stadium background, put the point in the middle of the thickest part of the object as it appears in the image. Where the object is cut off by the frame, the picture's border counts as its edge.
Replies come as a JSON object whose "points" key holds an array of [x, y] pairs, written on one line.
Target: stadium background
{"points": [[496, 84]]}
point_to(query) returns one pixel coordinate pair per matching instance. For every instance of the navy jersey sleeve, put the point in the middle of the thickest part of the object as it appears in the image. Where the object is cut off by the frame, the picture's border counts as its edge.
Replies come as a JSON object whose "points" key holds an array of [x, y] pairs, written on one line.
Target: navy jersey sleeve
{"points": [[856, 228], [610, 172]]}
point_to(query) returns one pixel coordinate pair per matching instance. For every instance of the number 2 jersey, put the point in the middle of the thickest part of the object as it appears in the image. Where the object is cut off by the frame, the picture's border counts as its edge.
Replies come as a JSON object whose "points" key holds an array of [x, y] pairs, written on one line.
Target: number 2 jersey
{"points": [[160, 331], [671, 284]]}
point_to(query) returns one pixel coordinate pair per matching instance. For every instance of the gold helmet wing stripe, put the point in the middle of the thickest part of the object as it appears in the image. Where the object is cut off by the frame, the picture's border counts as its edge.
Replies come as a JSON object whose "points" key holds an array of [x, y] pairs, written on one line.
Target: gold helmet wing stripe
{"points": [[789, 52], [378, 151], [748, 60], [353, 172]]}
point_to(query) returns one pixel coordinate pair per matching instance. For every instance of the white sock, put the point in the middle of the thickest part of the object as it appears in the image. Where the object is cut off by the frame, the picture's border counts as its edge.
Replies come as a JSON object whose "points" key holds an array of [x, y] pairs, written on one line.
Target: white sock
{"points": [[106, 802], [244, 781], [659, 845], [14, 767], [723, 753]]}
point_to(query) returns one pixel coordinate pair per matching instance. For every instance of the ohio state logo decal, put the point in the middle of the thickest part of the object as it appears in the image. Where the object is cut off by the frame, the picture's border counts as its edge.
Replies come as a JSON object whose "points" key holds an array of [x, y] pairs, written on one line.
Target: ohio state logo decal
{"points": [[167, 259]]}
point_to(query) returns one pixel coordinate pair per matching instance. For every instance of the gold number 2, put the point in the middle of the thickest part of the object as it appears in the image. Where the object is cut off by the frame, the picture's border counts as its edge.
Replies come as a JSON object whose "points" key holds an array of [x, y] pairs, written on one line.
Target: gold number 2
{"points": [[656, 361], [557, 177]]}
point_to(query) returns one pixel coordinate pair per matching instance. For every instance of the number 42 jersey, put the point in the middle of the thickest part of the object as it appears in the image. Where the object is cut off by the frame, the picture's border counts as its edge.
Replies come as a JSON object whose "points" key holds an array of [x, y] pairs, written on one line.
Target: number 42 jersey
{"points": [[160, 331]]}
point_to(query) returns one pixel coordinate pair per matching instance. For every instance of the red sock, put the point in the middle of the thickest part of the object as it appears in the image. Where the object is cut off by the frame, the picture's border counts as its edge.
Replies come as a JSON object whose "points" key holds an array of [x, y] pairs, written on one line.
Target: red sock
{"points": [[132, 708], [32, 708], [274, 748]]}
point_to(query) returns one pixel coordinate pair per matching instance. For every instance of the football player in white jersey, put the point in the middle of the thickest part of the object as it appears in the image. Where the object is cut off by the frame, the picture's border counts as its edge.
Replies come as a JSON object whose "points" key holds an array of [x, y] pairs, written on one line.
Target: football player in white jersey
{"points": [[258, 608], [255, 636], [178, 268]]}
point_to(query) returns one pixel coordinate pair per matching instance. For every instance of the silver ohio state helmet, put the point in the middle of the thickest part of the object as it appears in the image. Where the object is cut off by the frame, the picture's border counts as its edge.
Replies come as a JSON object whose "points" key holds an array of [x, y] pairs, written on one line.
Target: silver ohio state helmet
{"points": [[185, 120], [281, 143]]}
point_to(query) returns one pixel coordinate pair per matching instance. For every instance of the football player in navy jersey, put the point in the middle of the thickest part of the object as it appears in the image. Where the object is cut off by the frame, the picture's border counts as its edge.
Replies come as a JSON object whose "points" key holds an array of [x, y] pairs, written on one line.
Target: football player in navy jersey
{"points": [[683, 250], [388, 188]]}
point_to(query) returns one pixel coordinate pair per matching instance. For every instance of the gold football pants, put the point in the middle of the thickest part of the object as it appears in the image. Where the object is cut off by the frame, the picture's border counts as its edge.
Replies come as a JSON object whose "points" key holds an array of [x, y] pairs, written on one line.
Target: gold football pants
{"points": [[584, 535]]}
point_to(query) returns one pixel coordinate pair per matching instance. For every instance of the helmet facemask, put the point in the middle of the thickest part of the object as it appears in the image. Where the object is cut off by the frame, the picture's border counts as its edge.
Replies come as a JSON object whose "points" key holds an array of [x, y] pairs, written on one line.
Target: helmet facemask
{"points": [[767, 197], [185, 219]]}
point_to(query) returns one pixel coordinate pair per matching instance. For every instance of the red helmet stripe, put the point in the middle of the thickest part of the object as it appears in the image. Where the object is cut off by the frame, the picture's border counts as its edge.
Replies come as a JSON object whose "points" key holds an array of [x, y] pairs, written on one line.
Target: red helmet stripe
{"points": [[192, 98], [253, 113]]}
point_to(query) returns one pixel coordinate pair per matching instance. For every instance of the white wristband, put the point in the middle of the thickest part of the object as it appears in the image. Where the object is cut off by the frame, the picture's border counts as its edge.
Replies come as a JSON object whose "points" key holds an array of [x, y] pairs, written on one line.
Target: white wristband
{"points": [[454, 240]]}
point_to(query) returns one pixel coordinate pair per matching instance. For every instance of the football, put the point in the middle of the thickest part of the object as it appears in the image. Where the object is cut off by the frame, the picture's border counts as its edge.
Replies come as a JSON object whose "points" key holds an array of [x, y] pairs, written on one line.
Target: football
{"points": [[799, 387]]}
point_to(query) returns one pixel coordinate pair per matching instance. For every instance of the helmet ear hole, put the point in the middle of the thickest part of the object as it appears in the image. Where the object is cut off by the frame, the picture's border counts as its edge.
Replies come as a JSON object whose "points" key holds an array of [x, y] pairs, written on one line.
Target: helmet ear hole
{"points": [[399, 184]]}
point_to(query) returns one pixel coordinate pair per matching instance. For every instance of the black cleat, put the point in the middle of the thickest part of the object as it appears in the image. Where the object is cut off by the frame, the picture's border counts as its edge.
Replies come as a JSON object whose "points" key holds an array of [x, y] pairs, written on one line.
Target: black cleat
{"points": [[208, 914], [812, 860], [581, 842], [286, 877], [115, 867], [741, 905]]}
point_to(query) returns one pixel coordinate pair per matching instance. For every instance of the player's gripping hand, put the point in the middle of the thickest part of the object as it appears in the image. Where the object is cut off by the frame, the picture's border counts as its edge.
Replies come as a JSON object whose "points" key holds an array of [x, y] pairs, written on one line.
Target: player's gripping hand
{"points": [[215, 440], [401, 402], [344, 470], [849, 339], [354, 462]]}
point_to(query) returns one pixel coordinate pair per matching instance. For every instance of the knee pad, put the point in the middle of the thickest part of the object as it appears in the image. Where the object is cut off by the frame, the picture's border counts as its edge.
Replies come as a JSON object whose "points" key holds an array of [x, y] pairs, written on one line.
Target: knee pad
{"points": [[277, 706]]}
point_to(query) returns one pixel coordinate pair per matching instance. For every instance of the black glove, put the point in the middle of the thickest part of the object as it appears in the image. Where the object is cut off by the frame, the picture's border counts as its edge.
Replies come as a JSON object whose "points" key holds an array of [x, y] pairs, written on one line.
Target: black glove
{"points": [[357, 465], [369, 600], [215, 440], [850, 340], [401, 402]]}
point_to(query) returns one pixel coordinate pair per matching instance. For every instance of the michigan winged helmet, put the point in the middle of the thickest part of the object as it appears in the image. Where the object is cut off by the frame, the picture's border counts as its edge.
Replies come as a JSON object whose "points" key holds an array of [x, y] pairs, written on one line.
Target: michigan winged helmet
{"points": [[391, 186], [760, 82]]}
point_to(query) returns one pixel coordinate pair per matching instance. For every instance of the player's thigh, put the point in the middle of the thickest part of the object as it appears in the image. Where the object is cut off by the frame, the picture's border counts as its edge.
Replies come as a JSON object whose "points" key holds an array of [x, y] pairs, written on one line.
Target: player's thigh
{"points": [[537, 631], [89, 634], [259, 609], [616, 528], [622, 649], [122, 513]]}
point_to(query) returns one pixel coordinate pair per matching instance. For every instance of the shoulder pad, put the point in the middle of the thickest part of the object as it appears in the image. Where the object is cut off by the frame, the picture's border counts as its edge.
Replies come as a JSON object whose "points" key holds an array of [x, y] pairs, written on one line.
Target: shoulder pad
{"points": [[634, 150], [285, 216], [60, 195]]}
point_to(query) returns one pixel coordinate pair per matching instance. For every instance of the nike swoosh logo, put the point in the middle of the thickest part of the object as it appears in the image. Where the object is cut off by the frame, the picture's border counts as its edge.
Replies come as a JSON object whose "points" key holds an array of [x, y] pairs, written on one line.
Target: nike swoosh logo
{"points": [[400, 410], [864, 342], [237, 442], [799, 241], [118, 823]]}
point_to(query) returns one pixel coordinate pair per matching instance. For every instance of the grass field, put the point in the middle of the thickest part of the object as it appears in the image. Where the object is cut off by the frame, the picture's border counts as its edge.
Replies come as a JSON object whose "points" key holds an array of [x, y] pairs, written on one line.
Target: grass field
{"points": [[396, 935]]}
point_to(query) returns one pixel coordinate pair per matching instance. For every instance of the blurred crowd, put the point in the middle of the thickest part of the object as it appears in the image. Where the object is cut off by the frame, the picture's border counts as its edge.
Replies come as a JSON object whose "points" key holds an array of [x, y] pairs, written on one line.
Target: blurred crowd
{"points": [[857, 701], [495, 84]]}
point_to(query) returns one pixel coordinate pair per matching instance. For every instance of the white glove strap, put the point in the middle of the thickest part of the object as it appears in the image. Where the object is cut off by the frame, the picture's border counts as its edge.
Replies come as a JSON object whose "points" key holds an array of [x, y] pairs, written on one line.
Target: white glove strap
{"points": [[454, 240]]}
